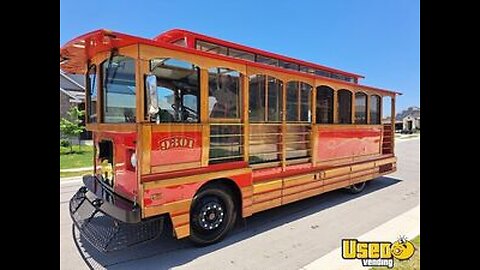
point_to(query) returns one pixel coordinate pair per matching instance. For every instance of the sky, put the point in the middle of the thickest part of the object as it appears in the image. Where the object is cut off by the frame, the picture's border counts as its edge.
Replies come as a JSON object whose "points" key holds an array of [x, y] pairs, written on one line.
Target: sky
{"points": [[378, 39]]}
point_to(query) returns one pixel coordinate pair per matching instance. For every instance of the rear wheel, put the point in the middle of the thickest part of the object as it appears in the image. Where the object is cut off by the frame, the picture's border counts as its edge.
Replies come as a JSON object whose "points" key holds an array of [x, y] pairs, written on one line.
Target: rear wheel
{"points": [[212, 216], [357, 188]]}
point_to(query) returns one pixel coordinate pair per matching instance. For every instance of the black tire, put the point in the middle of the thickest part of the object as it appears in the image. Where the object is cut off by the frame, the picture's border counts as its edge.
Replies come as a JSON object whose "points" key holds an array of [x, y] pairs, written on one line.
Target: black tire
{"points": [[212, 215], [357, 188]]}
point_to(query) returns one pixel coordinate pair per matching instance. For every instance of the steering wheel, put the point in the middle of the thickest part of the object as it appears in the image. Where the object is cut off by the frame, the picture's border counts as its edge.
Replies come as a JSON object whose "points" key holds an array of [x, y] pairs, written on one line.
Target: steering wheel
{"points": [[188, 109]]}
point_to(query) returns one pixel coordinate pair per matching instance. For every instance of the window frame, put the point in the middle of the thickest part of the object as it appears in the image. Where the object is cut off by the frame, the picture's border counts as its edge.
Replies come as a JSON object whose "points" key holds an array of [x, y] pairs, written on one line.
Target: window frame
{"points": [[101, 86], [88, 98]]}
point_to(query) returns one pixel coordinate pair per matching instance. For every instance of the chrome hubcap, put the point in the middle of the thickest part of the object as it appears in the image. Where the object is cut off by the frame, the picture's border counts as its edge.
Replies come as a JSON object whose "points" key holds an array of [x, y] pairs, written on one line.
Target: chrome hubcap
{"points": [[211, 216]]}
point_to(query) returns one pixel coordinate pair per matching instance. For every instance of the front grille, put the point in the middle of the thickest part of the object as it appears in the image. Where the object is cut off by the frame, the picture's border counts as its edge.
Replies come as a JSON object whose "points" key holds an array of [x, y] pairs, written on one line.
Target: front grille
{"points": [[106, 233]]}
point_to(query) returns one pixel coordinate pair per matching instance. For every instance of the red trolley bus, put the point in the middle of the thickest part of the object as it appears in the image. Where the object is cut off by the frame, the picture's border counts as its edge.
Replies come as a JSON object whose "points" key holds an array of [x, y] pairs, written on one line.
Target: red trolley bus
{"points": [[202, 132]]}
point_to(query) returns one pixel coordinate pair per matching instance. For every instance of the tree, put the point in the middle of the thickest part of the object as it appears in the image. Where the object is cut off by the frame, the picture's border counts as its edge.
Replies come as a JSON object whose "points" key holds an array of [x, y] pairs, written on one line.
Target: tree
{"points": [[71, 127]]}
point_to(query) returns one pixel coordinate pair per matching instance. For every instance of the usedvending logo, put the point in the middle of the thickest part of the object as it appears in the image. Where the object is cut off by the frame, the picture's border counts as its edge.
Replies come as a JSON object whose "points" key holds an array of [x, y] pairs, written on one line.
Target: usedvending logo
{"points": [[377, 253]]}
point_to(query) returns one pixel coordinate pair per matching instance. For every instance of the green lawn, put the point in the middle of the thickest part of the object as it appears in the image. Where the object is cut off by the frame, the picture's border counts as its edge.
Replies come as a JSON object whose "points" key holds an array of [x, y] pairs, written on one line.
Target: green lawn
{"points": [[411, 264], [82, 157]]}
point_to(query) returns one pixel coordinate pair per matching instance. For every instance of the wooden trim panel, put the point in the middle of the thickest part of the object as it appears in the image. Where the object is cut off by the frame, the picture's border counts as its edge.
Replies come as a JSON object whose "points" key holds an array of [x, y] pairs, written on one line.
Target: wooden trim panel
{"points": [[266, 205], [267, 196], [194, 178], [182, 231], [182, 206], [174, 167], [267, 186], [101, 127]]}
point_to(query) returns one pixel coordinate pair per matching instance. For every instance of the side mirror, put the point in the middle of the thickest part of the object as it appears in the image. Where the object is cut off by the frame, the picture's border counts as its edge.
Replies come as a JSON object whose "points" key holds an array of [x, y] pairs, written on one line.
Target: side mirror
{"points": [[151, 92]]}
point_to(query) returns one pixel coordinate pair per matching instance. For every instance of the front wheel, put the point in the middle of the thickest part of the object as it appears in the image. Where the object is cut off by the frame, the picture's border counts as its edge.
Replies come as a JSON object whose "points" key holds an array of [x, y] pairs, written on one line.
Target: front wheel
{"points": [[212, 215], [357, 188]]}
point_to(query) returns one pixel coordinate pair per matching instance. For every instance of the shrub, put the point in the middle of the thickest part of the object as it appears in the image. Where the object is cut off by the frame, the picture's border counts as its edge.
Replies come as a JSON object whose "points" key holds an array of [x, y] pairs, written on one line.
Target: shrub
{"points": [[65, 143]]}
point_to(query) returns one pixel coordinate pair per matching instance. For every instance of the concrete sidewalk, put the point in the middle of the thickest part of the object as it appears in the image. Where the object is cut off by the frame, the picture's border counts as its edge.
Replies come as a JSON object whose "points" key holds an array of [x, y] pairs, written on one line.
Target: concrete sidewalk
{"points": [[407, 224], [77, 169]]}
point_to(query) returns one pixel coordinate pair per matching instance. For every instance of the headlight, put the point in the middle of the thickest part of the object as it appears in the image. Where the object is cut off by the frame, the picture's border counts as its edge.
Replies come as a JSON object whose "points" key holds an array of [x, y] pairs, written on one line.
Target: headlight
{"points": [[133, 160]]}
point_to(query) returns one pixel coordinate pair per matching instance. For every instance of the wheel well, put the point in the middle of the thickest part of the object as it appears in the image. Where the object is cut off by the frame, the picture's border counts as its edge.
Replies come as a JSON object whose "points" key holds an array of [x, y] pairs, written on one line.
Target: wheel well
{"points": [[228, 185]]}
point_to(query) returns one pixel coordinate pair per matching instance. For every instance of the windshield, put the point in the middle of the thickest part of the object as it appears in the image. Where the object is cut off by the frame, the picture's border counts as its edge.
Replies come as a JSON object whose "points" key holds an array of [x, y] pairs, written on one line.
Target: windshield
{"points": [[119, 90]]}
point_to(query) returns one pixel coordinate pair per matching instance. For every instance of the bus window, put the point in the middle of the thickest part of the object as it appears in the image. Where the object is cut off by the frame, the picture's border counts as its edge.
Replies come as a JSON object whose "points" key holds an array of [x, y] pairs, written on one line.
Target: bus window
{"points": [[224, 93], [344, 106], [257, 98], [119, 90], [299, 101], [375, 109], [292, 101], [324, 105], [360, 108], [178, 90], [275, 100]]}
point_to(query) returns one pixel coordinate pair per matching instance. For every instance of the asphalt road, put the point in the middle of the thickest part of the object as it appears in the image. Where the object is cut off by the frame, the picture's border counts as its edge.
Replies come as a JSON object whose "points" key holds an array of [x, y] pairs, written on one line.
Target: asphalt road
{"points": [[286, 237]]}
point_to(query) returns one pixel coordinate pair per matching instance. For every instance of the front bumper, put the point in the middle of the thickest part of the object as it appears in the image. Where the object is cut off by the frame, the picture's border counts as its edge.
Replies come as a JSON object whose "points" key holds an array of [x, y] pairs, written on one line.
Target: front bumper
{"points": [[108, 221]]}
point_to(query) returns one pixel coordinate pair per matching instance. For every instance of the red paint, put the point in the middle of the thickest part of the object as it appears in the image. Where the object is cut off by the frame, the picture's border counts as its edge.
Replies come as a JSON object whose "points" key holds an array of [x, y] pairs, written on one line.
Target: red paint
{"points": [[176, 147], [340, 142], [186, 191], [125, 180]]}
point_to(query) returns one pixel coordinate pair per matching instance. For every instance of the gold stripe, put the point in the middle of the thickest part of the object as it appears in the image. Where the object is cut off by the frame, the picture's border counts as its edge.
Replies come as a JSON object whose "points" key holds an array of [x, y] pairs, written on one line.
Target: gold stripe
{"points": [[266, 186], [112, 127], [173, 167], [172, 127], [247, 211], [302, 195], [195, 178], [205, 143], [336, 172], [266, 205], [364, 178], [297, 180], [361, 173], [336, 179], [247, 192], [385, 161], [182, 231], [172, 208], [181, 219], [336, 185], [363, 166], [146, 149], [267, 196], [302, 188]]}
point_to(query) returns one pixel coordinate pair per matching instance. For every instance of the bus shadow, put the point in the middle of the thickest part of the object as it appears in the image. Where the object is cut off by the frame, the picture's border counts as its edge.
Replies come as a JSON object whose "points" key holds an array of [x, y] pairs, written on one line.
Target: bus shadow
{"points": [[166, 252]]}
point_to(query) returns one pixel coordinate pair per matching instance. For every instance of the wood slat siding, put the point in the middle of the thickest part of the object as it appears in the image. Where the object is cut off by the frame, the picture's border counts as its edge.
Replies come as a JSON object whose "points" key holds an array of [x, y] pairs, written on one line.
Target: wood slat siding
{"points": [[266, 194]]}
